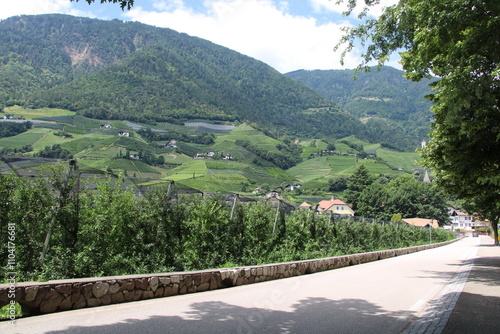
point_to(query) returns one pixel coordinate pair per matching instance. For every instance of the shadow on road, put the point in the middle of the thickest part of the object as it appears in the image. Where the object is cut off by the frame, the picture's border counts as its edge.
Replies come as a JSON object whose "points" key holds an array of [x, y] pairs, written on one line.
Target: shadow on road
{"points": [[312, 315]]}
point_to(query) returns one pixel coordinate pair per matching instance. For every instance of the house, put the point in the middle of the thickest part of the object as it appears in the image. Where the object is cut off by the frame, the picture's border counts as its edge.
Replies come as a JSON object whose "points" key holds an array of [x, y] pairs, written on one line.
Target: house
{"points": [[464, 221], [256, 191], [105, 126], [293, 186], [124, 134], [172, 143], [273, 194], [421, 222], [335, 206], [306, 206]]}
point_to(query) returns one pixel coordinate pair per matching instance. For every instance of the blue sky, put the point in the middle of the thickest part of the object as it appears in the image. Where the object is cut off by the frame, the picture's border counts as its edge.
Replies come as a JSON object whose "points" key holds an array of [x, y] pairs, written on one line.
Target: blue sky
{"points": [[286, 34]]}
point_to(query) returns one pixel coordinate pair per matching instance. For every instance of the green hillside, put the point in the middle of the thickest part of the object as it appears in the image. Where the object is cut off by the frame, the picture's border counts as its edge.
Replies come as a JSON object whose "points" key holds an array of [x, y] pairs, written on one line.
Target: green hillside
{"points": [[381, 98], [114, 70], [239, 160]]}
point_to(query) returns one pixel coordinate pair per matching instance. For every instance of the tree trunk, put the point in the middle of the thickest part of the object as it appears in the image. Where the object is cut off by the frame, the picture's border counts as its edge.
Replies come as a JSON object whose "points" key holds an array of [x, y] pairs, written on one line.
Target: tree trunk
{"points": [[494, 227]]}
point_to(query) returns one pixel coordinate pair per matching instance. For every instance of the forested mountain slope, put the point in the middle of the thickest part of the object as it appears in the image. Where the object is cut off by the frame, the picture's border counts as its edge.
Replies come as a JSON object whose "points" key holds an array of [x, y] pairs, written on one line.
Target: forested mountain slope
{"points": [[128, 70], [378, 94]]}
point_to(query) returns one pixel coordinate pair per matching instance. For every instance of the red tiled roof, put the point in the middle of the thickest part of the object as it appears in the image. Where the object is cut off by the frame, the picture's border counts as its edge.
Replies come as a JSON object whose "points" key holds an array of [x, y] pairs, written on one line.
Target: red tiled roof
{"points": [[326, 204], [421, 222]]}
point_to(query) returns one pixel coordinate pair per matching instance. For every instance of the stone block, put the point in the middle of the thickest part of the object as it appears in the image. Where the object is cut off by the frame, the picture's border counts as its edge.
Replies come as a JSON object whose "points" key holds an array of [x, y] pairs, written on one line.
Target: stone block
{"points": [[213, 283], [175, 289], [203, 287], [128, 285], [175, 279], [30, 293], [92, 302], [66, 304], [106, 300], [141, 283], [128, 295], [205, 278], [165, 280], [159, 292], [196, 279], [99, 289], [64, 288], [87, 291], [147, 294], [114, 288], [117, 298], [136, 294], [188, 280], [153, 283], [51, 302], [78, 301]]}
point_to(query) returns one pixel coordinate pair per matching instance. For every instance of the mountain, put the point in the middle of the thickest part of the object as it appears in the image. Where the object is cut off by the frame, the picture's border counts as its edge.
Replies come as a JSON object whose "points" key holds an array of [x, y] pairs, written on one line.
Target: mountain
{"points": [[132, 71], [117, 70], [378, 94]]}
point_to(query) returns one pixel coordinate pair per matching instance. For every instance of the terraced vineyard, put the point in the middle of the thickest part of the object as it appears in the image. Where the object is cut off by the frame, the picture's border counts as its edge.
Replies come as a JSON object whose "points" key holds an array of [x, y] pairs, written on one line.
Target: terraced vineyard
{"points": [[119, 147]]}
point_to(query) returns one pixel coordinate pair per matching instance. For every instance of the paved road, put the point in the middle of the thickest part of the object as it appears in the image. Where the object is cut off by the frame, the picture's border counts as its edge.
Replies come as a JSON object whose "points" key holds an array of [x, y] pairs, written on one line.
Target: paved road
{"points": [[388, 296]]}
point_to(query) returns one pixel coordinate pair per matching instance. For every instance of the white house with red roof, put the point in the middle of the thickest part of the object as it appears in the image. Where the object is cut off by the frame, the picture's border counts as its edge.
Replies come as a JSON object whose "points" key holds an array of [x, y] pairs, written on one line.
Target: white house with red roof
{"points": [[335, 206]]}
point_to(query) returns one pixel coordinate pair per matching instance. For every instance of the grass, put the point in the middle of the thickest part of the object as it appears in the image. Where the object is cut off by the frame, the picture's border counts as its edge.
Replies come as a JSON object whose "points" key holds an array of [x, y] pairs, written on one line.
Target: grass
{"points": [[130, 166], [37, 113], [311, 169], [25, 138], [53, 126], [342, 165], [92, 146], [5, 312], [176, 158], [337, 165], [245, 129], [49, 139], [405, 160], [353, 139], [188, 170], [378, 167], [219, 182]]}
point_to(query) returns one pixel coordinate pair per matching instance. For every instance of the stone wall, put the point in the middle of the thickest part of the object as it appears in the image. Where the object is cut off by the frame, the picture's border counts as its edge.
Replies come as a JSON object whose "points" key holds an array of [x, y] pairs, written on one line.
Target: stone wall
{"points": [[61, 295]]}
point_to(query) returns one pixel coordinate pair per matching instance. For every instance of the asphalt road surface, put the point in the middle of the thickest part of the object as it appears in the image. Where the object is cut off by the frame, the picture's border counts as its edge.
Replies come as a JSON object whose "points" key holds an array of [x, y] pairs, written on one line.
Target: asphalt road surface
{"points": [[387, 296]]}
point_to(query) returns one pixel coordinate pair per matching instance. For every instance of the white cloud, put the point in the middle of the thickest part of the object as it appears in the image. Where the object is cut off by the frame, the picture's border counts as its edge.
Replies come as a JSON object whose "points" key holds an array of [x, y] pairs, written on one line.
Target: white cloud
{"points": [[333, 6], [30, 7], [257, 28]]}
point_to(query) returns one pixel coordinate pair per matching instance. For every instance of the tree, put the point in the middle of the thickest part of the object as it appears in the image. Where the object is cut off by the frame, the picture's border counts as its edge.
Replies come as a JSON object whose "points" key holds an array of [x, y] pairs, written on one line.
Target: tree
{"points": [[123, 3], [458, 42], [356, 183]]}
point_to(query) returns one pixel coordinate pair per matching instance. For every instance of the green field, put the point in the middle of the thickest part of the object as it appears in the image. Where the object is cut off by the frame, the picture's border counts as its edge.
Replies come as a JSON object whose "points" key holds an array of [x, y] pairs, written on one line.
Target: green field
{"points": [[219, 182], [25, 138], [28, 113], [405, 160], [188, 170], [103, 149], [311, 169]]}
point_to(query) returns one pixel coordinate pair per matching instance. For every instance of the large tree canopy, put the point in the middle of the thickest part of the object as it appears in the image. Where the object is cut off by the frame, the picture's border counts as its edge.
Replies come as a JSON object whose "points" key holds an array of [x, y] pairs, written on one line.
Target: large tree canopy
{"points": [[457, 41], [123, 3]]}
